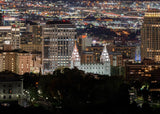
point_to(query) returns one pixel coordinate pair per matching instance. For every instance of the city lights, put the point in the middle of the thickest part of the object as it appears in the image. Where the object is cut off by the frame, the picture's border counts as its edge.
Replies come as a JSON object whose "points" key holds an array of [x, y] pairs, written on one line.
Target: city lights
{"points": [[78, 57]]}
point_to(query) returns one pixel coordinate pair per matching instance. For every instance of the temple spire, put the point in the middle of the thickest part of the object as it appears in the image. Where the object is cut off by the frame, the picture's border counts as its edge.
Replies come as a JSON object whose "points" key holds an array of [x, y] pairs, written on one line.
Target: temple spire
{"points": [[75, 59], [104, 56]]}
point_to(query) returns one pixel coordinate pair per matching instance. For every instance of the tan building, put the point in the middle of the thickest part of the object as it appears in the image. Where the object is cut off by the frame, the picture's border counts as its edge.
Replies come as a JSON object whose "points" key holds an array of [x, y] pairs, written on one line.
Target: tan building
{"points": [[31, 47], [87, 57], [36, 64], [15, 61], [9, 61], [150, 37], [126, 51], [96, 52], [23, 63]]}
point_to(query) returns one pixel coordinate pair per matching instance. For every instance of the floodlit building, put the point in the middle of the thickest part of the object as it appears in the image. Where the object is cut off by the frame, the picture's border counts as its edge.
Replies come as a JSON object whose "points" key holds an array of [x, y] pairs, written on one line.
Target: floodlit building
{"points": [[102, 68], [138, 54], [58, 43]]}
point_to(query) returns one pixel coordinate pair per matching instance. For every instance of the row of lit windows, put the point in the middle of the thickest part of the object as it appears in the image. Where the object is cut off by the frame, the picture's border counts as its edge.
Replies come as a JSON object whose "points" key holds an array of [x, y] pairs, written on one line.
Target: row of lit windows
{"points": [[91, 67], [9, 97]]}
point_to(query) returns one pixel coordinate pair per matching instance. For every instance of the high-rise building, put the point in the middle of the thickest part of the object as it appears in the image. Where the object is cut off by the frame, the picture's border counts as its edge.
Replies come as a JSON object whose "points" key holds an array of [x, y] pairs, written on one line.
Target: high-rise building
{"points": [[83, 42], [31, 40], [150, 35], [58, 43], [9, 35]]}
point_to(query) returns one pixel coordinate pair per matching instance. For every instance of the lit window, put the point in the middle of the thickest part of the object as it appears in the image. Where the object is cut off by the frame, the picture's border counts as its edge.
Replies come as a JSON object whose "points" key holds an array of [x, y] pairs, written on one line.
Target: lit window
{"points": [[131, 73]]}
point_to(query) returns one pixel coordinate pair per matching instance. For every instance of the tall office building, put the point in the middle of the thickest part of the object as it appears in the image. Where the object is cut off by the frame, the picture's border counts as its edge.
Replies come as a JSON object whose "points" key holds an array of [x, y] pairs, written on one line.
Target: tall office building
{"points": [[150, 35], [58, 43], [9, 35], [31, 40]]}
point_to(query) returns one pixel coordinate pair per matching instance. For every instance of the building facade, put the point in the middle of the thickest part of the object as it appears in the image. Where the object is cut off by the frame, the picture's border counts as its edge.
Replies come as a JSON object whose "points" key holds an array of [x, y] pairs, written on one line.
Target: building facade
{"points": [[15, 61], [126, 51], [24, 61], [31, 47], [140, 71], [102, 68], [58, 43], [10, 35], [31, 39], [116, 59], [87, 57], [97, 50], [11, 87], [83, 41], [150, 37]]}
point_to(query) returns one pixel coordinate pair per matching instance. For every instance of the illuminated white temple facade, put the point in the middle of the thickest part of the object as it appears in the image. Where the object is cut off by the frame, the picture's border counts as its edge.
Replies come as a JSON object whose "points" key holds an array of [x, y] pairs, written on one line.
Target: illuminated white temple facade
{"points": [[102, 68]]}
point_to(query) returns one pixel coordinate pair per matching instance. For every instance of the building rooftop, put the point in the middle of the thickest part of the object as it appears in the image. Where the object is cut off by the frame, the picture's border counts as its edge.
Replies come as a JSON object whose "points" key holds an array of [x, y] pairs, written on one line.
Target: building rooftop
{"points": [[115, 53], [87, 52], [16, 50], [153, 10], [144, 62], [59, 22], [31, 23], [9, 76]]}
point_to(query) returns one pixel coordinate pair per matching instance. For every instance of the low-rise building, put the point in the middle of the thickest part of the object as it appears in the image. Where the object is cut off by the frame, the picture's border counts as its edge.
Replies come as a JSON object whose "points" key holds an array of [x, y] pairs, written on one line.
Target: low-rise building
{"points": [[140, 71], [11, 87]]}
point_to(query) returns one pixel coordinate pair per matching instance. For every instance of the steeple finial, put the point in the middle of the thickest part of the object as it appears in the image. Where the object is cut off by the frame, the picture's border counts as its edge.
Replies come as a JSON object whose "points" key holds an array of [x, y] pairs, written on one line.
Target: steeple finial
{"points": [[75, 54], [75, 59], [104, 56]]}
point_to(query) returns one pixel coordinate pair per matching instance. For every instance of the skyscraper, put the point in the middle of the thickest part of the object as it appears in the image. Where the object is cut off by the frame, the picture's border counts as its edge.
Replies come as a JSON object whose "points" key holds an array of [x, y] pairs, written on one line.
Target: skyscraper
{"points": [[58, 42], [150, 35]]}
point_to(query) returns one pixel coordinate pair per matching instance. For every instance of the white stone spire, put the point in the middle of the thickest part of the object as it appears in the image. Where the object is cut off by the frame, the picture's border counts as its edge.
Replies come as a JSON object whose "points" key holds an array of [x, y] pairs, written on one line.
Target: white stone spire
{"points": [[104, 56], [75, 59]]}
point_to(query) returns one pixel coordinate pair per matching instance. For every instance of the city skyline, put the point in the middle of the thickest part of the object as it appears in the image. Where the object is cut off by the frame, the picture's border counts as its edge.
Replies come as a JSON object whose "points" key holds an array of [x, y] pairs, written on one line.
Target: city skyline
{"points": [[88, 56]]}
